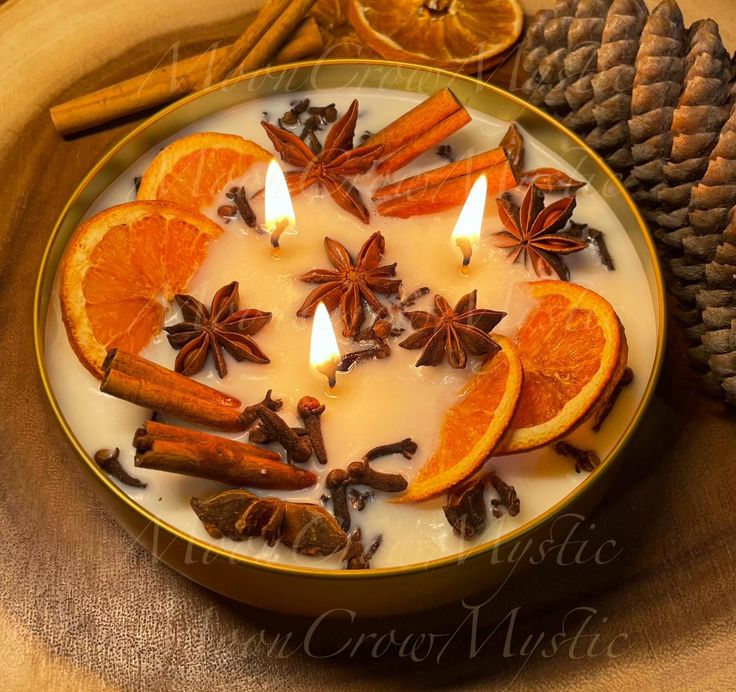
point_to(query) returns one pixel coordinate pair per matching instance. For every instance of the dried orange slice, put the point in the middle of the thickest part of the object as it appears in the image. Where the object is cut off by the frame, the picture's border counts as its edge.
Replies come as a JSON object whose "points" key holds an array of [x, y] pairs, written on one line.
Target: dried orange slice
{"points": [[472, 427], [458, 35], [574, 349], [120, 267], [193, 170]]}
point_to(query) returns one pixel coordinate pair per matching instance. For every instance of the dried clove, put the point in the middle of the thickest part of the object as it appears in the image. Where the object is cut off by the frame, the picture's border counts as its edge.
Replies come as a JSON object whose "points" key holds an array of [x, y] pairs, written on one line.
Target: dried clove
{"points": [[602, 413], [465, 507], [238, 514], [273, 427], [227, 212], [444, 151], [507, 497], [350, 360], [355, 556], [594, 238], [249, 414], [137, 182], [108, 461], [413, 297], [300, 107], [336, 482], [310, 410], [406, 447], [298, 449], [362, 472], [367, 134], [358, 499], [237, 195], [265, 115], [377, 333], [585, 459], [257, 435], [327, 113]]}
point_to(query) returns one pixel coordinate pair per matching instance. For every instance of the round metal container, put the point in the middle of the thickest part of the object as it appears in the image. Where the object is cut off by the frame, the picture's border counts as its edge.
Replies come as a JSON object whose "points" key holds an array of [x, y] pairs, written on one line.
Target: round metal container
{"points": [[313, 592]]}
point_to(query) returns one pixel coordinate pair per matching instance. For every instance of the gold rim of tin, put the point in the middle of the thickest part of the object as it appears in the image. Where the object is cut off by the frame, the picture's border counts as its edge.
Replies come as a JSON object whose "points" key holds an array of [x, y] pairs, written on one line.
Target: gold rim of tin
{"points": [[47, 273]]}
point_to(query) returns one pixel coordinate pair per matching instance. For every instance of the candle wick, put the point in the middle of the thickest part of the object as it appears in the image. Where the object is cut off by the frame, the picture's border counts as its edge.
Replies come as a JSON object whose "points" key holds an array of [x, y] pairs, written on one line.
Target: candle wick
{"points": [[466, 248]]}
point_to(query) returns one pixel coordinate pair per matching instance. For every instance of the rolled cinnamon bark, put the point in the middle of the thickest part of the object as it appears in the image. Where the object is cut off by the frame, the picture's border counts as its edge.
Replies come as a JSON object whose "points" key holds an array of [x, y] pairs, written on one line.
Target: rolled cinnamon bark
{"points": [[277, 31], [425, 125], [442, 174], [136, 366], [180, 450], [168, 399], [448, 194], [166, 84]]}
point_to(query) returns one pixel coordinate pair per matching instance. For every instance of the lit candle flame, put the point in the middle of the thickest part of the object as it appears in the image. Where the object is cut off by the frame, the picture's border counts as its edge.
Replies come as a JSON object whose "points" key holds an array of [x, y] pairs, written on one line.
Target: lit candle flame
{"points": [[467, 229], [324, 353], [279, 211]]}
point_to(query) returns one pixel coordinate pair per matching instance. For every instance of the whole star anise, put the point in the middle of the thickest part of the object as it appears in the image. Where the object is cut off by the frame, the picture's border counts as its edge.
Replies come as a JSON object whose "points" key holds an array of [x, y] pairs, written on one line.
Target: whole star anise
{"points": [[331, 167], [533, 230], [455, 332], [351, 283], [223, 326]]}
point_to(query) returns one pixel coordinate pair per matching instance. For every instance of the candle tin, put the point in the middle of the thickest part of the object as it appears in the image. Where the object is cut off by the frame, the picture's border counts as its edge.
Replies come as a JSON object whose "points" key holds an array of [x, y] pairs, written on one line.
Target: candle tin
{"points": [[300, 590]]}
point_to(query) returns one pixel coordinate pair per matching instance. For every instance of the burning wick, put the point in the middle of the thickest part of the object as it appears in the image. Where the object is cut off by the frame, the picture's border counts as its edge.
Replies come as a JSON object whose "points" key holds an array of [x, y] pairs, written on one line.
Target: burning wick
{"points": [[467, 229], [324, 353], [279, 211]]}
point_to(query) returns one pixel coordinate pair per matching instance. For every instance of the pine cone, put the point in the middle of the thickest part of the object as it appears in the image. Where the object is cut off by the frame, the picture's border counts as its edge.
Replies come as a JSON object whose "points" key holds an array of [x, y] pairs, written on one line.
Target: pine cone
{"points": [[573, 91], [660, 70], [545, 48], [614, 81], [696, 122]]}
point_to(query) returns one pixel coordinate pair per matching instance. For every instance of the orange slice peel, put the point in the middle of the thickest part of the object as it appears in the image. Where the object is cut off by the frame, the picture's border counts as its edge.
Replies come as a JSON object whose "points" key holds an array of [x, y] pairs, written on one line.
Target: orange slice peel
{"points": [[574, 351], [472, 427], [120, 268], [194, 169], [458, 35]]}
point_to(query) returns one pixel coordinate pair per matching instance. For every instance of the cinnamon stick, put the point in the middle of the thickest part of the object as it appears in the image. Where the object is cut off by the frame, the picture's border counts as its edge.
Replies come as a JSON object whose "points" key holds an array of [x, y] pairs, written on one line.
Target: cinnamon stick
{"points": [[179, 450], [448, 194], [441, 174], [419, 129], [278, 31], [268, 16], [141, 390], [136, 366], [424, 142], [166, 84]]}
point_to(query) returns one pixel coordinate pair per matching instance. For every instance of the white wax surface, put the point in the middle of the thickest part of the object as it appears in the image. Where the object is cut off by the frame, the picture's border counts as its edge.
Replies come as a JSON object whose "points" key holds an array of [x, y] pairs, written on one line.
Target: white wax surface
{"points": [[379, 401]]}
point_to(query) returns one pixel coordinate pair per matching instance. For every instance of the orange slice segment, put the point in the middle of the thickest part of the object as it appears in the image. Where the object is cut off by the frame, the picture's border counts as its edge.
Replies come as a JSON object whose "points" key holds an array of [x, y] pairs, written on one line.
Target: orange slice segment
{"points": [[194, 169], [472, 427], [573, 348], [120, 267], [459, 35]]}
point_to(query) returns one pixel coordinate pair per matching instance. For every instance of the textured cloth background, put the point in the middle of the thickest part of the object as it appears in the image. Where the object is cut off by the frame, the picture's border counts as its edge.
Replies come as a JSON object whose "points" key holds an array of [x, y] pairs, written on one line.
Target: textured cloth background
{"points": [[648, 603]]}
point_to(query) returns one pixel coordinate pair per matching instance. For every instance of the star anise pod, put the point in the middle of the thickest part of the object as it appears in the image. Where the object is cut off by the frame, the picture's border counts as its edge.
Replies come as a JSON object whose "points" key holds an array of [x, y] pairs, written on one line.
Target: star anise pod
{"points": [[351, 283], [533, 231], [223, 326], [331, 167], [455, 332]]}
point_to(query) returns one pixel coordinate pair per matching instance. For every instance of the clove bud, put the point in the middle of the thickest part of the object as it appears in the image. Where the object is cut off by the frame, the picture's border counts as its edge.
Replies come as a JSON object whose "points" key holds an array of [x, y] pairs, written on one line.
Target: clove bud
{"points": [[310, 410], [362, 472], [336, 482]]}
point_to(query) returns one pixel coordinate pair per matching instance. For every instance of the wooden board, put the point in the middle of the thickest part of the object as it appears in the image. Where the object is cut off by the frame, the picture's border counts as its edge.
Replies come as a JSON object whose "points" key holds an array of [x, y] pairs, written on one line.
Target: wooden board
{"points": [[651, 597]]}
